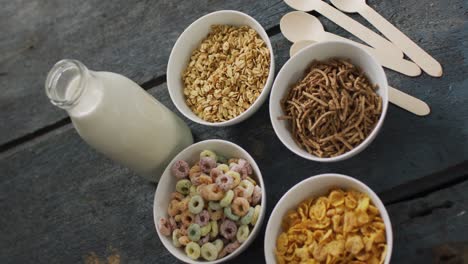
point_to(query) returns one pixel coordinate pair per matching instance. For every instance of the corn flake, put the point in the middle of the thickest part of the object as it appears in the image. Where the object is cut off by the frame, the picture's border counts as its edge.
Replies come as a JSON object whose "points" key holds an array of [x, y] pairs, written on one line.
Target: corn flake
{"points": [[341, 227]]}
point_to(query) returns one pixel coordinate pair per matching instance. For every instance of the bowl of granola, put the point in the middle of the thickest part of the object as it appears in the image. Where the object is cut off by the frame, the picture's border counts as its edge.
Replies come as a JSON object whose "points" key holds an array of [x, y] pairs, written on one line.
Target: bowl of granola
{"points": [[221, 69]]}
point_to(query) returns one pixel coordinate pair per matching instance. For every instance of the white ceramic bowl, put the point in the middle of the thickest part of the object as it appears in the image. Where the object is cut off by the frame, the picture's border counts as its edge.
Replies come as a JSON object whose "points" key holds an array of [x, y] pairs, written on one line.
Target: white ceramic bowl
{"points": [[293, 70], [167, 184], [313, 187], [189, 40]]}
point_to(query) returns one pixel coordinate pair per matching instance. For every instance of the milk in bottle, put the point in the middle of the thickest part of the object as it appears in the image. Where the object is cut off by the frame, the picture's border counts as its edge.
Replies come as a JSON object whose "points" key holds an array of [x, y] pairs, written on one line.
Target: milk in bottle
{"points": [[118, 118]]}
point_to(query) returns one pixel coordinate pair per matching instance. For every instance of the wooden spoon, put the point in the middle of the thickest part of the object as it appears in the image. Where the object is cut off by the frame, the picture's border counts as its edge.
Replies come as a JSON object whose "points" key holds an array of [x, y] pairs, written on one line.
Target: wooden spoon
{"points": [[344, 21], [395, 96], [311, 29], [414, 52]]}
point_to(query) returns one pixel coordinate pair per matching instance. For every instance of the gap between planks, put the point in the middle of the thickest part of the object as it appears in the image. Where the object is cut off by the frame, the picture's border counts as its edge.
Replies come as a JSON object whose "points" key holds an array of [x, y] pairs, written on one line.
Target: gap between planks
{"points": [[401, 193], [154, 82], [421, 187]]}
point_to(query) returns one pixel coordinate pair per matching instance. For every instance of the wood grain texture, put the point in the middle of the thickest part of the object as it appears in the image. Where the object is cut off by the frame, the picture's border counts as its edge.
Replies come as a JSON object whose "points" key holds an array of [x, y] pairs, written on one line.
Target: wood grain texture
{"points": [[432, 229], [86, 207], [61, 202], [133, 38]]}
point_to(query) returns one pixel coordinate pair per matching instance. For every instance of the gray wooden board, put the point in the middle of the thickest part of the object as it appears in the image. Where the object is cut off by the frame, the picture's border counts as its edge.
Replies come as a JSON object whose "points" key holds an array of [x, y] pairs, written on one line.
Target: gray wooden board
{"points": [[135, 38], [84, 205], [61, 202]]}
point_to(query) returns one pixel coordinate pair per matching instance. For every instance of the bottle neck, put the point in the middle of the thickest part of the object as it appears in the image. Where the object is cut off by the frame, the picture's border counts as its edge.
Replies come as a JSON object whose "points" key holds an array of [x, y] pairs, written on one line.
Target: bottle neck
{"points": [[66, 82]]}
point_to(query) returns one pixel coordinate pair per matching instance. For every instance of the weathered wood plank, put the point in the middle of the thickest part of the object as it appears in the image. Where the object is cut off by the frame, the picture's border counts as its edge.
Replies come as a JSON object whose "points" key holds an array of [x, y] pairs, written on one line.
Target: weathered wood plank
{"points": [[432, 229], [61, 201], [133, 38]]}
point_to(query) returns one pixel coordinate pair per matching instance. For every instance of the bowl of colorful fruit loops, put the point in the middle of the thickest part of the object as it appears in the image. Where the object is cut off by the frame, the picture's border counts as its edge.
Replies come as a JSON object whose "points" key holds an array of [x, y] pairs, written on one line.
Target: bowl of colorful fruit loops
{"points": [[209, 203]]}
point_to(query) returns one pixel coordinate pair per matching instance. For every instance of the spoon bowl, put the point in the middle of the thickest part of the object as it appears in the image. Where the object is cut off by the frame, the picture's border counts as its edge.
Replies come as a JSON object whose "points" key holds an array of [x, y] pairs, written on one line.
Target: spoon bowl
{"points": [[349, 6], [310, 27], [303, 5]]}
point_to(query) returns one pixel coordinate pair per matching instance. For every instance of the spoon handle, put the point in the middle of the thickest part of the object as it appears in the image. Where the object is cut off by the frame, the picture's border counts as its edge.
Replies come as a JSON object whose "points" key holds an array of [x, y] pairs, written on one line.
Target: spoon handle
{"points": [[387, 60], [408, 102], [414, 52], [357, 29]]}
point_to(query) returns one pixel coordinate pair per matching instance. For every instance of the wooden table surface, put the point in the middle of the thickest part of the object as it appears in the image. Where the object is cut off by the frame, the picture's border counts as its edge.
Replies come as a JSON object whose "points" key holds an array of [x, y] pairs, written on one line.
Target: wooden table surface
{"points": [[61, 202]]}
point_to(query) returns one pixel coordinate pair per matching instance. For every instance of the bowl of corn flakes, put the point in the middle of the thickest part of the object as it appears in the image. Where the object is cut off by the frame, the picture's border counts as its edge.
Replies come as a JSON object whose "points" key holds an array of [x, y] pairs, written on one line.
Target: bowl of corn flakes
{"points": [[329, 218]]}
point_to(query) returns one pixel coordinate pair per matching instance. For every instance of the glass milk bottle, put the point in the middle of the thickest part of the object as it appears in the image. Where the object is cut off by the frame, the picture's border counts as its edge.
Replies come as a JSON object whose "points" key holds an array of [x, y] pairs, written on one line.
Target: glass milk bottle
{"points": [[118, 118]]}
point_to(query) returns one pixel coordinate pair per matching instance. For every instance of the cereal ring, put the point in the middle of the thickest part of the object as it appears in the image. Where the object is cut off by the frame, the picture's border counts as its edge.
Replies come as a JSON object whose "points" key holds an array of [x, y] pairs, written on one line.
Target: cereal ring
{"points": [[203, 218], [229, 248], [187, 218], [219, 244], [178, 218], [180, 169], [194, 179], [227, 199], [173, 208], [235, 176], [200, 187], [246, 168], [205, 230], [184, 240], [257, 195], [240, 206], [183, 186], [183, 205], [223, 167], [247, 186], [256, 215], [236, 168], [207, 163], [194, 232], [177, 196], [239, 192], [209, 251], [228, 213], [225, 182], [242, 233], [192, 250], [228, 229], [204, 240], [247, 165], [215, 173], [196, 204], [202, 179], [214, 229], [221, 159], [250, 179], [194, 171], [176, 234], [183, 230], [172, 223], [246, 219], [215, 214], [193, 190], [164, 227], [214, 205], [211, 192], [209, 154], [233, 160]]}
